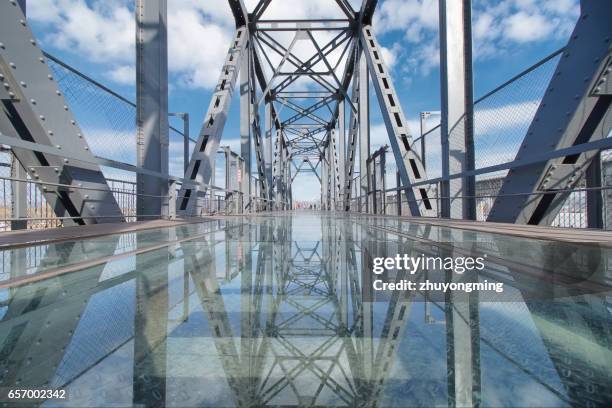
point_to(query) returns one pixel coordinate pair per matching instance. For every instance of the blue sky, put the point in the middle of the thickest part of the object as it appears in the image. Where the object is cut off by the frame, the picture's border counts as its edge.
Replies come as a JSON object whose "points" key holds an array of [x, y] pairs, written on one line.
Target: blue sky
{"points": [[97, 37]]}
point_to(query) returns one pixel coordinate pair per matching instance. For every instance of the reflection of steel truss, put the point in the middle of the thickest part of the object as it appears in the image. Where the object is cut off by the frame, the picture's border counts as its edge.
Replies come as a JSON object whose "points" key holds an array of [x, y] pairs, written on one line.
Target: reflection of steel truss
{"points": [[306, 334]]}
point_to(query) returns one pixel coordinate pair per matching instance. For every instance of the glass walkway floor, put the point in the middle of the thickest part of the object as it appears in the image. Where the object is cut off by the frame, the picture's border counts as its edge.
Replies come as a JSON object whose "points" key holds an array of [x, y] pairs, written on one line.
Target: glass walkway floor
{"points": [[278, 310]]}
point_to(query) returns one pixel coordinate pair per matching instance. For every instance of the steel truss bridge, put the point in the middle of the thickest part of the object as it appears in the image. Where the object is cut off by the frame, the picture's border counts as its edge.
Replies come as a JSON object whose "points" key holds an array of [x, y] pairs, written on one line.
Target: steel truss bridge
{"points": [[307, 333], [309, 112]]}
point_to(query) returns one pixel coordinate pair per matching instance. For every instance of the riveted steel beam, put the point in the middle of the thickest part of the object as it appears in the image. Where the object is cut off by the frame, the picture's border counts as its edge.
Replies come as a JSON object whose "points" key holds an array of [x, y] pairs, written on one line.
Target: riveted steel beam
{"points": [[201, 165], [408, 162], [34, 110], [575, 110]]}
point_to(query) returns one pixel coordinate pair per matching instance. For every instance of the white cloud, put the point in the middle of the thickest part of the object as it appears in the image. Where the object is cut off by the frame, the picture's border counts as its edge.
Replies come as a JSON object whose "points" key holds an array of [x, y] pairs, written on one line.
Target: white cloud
{"points": [[123, 74], [522, 27], [497, 27]]}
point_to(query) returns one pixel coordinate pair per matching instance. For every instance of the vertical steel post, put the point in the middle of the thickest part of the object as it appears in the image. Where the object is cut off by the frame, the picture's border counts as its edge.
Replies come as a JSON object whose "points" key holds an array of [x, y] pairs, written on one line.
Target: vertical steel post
{"points": [[594, 199], [19, 193], [269, 154], [457, 123], [185, 142], [19, 201], [341, 153], [152, 105], [364, 129], [245, 125]]}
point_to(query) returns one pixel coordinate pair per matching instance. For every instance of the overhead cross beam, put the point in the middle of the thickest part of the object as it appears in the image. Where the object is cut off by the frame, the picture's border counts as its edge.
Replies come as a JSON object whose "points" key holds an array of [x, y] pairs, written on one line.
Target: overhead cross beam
{"points": [[299, 114]]}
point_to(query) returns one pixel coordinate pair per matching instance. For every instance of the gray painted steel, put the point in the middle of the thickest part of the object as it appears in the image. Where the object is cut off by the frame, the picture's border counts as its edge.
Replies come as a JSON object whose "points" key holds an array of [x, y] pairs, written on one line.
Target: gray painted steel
{"points": [[408, 162], [201, 165], [364, 127], [36, 112], [151, 106], [245, 119], [353, 131], [457, 122], [571, 113]]}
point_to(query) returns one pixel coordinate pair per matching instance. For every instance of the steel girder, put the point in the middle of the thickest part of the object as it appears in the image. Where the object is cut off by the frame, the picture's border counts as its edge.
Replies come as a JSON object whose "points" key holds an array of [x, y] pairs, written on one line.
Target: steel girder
{"points": [[408, 163], [34, 110], [151, 107], [353, 131], [575, 110], [201, 165]]}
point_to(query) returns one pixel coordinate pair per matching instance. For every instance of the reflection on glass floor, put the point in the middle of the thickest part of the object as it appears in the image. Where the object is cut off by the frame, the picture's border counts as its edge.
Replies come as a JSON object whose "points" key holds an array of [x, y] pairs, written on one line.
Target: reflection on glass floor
{"points": [[270, 311]]}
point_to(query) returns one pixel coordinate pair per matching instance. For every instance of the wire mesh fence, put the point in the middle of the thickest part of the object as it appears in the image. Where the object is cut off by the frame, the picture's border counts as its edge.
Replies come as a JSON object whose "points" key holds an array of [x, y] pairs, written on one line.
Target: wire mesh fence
{"points": [[501, 120], [107, 119]]}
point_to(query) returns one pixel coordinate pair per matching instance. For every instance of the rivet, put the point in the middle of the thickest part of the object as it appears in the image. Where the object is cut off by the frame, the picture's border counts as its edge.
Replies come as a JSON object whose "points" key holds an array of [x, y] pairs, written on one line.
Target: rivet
{"points": [[6, 85], [32, 170], [65, 107], [1, 77], [73, 122], [42, 117], [41, 59], [58, 93], [33, 101], [32, 41], [86, 196], [11, 94], [50, 77], [2, 45], [22, 84], [22, 21], [50, 132], [58, 146], [65, 160], [12, 65], [86, 148]]}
